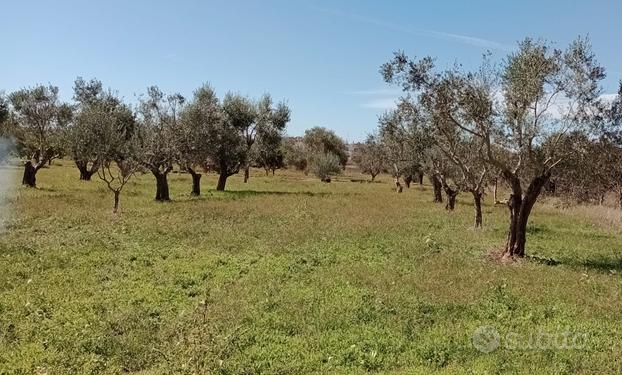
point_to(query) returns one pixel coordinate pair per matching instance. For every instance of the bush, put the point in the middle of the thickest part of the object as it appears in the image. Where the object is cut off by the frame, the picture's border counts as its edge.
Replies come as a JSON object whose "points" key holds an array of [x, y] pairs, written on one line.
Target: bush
{"points": [[325, 165]]}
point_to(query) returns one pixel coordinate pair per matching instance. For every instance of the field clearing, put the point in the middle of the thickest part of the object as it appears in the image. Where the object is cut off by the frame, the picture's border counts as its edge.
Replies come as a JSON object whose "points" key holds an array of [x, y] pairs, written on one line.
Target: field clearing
{"points": [[287, 275]]}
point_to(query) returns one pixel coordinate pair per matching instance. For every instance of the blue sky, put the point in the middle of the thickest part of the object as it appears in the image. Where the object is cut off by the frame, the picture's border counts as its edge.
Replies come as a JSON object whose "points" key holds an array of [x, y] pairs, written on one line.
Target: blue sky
{"points": [[322, 57]]}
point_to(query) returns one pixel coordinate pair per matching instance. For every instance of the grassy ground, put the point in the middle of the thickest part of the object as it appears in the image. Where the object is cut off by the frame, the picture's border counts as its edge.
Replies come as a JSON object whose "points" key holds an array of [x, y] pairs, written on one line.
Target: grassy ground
{"points": [[286, 275]]}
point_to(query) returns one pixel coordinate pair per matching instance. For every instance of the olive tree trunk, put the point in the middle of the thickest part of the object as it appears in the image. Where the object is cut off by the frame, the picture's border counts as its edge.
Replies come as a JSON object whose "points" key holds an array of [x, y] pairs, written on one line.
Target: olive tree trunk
{"points": [[196, 182], [451, 198], [407, 180], [85, 172], [438, 188], [247, 173], [162, 192], [477, 204], [222, 181], [520, 206], [30, 175], [115, 209]]}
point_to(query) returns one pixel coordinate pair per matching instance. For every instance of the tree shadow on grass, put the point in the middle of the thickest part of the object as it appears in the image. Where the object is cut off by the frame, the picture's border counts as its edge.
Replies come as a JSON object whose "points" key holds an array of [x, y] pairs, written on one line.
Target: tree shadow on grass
{"points": [[363, 181], [600, 264]]}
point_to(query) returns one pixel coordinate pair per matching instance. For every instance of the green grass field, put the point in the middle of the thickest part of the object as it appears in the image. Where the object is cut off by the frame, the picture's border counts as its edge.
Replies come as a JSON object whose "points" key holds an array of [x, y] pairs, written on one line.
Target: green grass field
{"points": [[287, 275]]}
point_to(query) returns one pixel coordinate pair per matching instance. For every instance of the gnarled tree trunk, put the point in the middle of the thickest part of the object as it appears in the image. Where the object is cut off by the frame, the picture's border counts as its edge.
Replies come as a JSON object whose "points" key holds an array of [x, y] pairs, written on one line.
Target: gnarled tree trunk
{"points": [[196, 182], [520, 208], [162, 192], [451, 198], [30, 172], [85, 172], [407, 180], [222, 181], [438, 188]]}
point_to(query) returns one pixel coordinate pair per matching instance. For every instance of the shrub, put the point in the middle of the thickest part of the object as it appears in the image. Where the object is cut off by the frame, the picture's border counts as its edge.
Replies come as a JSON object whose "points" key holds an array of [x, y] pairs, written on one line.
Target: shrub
{"points": [[325, 165]]}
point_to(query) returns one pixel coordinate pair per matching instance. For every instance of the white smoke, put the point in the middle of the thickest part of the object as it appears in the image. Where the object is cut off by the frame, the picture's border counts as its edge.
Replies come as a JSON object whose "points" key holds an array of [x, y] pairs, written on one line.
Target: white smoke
{"points": [[8, 181]]}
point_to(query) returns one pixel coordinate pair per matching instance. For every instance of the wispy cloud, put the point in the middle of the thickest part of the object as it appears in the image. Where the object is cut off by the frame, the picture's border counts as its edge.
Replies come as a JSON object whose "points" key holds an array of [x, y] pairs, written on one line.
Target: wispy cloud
{"points": [[383, 99], [381, 103], [377, 92], [464, 39]]}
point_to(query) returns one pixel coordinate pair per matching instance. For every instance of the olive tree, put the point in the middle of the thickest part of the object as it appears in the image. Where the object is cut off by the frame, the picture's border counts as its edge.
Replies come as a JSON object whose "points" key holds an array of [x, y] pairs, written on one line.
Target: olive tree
{"points": [[40, 119], [406, 148], [159, 115], [193, 133], [269, 151], [370, 157], [94, 106], [254, 119], [117, 151], [539, 94], [226, 144], [457, 153]]}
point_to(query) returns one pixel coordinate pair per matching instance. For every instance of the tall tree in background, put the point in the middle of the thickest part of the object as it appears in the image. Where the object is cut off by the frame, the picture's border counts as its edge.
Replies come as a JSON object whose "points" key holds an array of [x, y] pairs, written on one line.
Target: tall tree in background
{"points": [[117, 150], [546, 93], [253, 119], [370, 157], [406, 146], [241, 113], [94, 107], [227, 148], [40, 120], [159, 121], [193, 133], [269, 151]]}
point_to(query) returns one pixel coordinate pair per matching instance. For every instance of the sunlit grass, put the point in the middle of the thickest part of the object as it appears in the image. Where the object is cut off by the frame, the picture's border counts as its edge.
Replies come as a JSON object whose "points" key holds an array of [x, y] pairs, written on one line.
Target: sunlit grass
{"points": [[288, 275]]}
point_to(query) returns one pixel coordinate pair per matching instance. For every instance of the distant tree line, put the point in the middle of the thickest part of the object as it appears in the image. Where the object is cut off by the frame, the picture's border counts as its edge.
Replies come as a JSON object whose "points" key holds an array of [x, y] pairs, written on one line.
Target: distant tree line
{"points": [[107, 137]]}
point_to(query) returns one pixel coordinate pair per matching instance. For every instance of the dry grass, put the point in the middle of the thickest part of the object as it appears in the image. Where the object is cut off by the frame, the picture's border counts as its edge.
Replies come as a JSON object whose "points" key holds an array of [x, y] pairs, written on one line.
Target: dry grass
{"points": [[603, 216]]}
